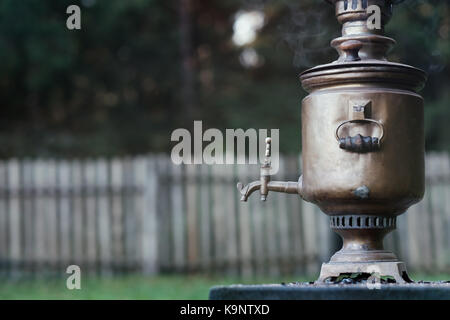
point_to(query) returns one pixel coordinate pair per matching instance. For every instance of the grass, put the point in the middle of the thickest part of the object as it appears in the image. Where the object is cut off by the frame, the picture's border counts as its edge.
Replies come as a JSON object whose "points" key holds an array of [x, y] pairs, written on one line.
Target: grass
{"points": [[121, 287], [134, 287]]}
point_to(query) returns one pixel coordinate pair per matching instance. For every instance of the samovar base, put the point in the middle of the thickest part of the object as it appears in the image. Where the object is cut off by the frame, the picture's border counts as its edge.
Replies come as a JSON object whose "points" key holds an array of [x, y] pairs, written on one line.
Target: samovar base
{"points": [[393, 269], [362, 251]]}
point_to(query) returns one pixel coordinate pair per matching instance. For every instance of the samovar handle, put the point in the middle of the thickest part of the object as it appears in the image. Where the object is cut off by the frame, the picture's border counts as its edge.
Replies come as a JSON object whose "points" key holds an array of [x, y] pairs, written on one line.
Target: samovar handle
{"points": [[360, 143]]}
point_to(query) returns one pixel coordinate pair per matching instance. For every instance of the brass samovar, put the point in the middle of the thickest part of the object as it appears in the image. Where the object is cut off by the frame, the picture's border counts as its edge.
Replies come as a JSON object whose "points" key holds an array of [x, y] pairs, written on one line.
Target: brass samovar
{"points": [[363, 143]]}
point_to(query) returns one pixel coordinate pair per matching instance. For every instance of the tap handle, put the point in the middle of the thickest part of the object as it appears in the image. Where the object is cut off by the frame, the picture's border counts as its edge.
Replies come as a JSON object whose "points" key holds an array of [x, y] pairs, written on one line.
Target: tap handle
{"points": [[265, 171], [263, 184], [268, 153]]}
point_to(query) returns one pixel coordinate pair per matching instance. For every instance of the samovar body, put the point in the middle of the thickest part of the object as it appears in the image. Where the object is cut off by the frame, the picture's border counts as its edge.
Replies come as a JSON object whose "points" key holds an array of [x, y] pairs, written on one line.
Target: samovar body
{"points": [[382, 182]]}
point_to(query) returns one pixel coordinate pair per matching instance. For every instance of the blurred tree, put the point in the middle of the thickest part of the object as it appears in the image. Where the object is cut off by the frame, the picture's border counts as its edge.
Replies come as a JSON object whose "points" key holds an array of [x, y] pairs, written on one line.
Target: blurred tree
{"points": [[109, 88], [138, 69], [422, 30]]}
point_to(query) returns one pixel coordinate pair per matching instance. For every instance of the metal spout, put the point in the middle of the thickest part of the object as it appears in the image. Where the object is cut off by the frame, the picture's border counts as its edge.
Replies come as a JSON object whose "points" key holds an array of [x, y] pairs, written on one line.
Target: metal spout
{"points": [[248, 189], [290, 187], [265, 185]]}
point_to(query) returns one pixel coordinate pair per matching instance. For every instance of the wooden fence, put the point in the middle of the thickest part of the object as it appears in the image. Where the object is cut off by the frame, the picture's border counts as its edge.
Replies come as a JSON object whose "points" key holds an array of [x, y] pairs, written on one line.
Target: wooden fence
{"points": [[144, 214]]}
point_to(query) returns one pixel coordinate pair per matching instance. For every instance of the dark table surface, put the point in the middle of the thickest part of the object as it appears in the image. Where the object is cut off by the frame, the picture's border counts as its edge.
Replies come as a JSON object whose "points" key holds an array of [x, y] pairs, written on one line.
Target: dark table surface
{"points": [[307, 291]]}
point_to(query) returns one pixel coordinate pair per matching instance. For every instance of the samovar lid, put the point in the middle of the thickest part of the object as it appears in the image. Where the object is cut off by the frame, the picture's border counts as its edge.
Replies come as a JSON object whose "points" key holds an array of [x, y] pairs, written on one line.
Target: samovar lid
{"points": [[377, 73]]}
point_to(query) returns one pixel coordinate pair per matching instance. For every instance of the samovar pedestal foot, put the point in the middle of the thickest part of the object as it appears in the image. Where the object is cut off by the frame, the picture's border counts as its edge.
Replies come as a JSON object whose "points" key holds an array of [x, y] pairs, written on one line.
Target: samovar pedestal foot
{"points": [[362, 251], [394, 269]]}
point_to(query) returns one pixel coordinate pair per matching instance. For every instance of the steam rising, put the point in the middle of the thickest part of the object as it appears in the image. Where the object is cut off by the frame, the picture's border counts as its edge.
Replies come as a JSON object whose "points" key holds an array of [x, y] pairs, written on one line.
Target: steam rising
{"points": [[306, 32]]}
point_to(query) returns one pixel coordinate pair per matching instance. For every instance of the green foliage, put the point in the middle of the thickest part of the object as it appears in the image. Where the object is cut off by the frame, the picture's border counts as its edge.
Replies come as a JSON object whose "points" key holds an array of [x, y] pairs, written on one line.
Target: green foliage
{"points": [[116, 86], [422, 30]]}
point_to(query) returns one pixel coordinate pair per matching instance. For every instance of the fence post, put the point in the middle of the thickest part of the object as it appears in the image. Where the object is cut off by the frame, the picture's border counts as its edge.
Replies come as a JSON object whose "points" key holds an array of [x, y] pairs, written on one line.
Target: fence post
{"points": [[147, 170], [178, 216], [192, 209], [104, 217], [245, 228], [14, 214], [64, 211], [205, 218]]}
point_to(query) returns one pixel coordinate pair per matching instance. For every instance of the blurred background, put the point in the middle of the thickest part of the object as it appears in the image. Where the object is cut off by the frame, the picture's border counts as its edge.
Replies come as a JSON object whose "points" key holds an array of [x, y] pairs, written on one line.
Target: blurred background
{"points": [[85, 124]]}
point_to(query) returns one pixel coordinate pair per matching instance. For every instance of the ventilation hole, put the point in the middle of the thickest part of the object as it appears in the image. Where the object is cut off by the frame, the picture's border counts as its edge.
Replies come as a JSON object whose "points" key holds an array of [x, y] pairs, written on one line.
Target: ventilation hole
{"points": [[345, 4], [366, 222], [350, 222], [358, 222], [364, 4], [354, 4], [338, 221]]}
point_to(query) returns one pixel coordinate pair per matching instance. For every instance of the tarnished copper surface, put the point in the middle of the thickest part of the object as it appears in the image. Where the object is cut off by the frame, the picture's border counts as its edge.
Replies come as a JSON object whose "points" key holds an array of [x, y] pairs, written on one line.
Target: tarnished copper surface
{"points": [[363, 143]]}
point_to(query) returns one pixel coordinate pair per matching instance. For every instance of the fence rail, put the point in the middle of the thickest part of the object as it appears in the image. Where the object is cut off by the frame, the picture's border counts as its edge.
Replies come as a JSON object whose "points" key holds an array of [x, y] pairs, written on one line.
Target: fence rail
{"points": [[144, 214]]}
